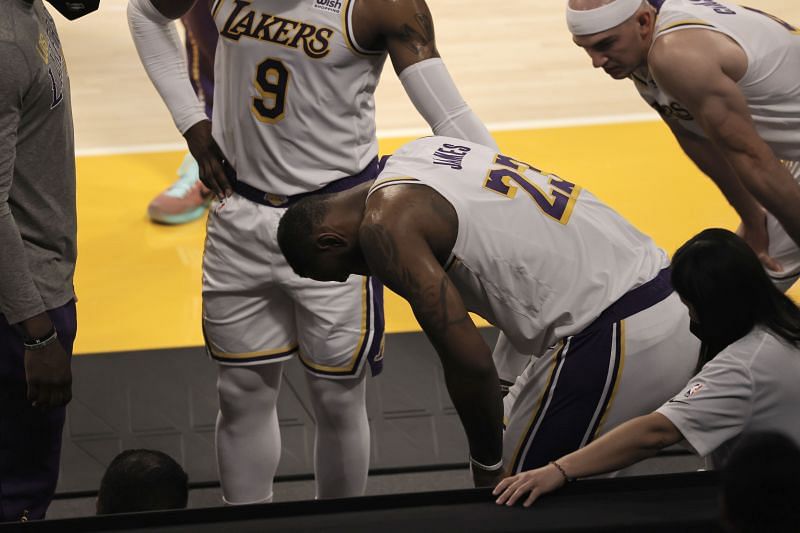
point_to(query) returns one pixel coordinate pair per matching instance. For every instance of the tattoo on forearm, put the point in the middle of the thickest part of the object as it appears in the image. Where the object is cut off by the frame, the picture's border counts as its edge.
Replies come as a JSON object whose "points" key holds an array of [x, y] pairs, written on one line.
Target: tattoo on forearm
{"points": [[417, 35], [442, 315], [429, 301]]}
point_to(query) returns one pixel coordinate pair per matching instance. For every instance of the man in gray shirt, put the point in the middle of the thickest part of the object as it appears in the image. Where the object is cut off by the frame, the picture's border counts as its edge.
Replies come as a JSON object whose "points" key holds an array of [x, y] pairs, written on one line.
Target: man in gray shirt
{"points": [[37, 256]]}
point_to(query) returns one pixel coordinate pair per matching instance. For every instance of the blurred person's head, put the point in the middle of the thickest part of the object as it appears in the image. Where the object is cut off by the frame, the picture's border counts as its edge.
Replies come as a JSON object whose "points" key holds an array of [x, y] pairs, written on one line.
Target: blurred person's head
{"points": [[761, 485], [142, 480], [72, 10], [727, 291]]}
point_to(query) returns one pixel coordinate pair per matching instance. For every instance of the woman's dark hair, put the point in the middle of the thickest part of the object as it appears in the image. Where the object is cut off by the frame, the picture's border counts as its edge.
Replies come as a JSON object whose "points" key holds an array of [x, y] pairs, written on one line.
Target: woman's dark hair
{"points": [[722, 279]]}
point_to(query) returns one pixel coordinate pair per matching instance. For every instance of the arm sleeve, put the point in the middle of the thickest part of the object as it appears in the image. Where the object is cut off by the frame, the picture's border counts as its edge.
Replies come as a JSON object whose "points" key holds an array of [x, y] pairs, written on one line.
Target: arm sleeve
{"points": [[19, 297], [159, 47], [715, 405], [436, 97]]}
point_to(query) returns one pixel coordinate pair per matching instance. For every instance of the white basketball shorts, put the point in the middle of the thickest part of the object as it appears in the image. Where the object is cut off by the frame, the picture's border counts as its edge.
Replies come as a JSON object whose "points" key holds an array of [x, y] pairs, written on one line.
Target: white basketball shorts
{"points": [[256, 310]]}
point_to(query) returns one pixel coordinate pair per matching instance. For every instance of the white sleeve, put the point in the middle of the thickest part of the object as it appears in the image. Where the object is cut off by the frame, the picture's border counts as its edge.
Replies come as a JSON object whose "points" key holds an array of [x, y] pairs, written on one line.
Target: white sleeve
{"points": [[715, 406], [437, 99], [159, 47]]}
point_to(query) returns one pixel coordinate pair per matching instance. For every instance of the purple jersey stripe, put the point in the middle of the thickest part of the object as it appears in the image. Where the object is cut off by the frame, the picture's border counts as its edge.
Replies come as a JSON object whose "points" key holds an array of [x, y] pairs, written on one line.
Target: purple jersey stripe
{"points": [[548, 391], [575, 396], [373, 336], [576, 390]]}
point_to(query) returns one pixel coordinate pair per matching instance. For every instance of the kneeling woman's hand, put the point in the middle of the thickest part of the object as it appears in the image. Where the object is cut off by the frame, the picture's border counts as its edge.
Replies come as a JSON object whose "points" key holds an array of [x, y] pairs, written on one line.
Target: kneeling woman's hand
{"points": [[536, 482]]}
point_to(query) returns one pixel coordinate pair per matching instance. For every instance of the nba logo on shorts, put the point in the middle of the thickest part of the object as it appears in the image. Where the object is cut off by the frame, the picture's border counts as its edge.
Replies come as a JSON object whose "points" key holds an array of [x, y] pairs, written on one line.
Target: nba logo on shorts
{"points": [[332, 6], [694, 389]]}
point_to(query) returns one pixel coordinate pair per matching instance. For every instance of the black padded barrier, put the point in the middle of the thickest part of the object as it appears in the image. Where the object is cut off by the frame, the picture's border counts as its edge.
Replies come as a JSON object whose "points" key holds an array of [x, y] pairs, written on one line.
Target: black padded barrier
{"points": [[672, 502]]}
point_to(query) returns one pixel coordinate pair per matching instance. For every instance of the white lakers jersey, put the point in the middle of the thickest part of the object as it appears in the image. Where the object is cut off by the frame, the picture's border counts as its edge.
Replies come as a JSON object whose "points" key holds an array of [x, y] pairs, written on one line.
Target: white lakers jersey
{"points": [[535, 255], [293, 97], [771, 84]]}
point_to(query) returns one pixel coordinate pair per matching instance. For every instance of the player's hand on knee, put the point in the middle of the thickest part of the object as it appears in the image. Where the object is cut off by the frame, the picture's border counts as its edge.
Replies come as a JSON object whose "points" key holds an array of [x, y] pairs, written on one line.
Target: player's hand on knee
{"points": [[49, 376], [757, 237], [528, 485], [210, 159]]}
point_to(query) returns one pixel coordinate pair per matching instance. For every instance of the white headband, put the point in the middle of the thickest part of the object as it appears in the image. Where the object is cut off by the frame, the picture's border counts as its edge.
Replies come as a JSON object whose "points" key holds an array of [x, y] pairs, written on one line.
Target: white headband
{"points": [[602, 18]]}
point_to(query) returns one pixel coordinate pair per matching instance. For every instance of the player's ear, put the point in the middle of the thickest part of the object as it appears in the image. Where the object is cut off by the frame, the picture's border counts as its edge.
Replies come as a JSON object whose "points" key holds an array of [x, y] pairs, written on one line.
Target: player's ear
{"points": [[644, 20], [330, 241]]}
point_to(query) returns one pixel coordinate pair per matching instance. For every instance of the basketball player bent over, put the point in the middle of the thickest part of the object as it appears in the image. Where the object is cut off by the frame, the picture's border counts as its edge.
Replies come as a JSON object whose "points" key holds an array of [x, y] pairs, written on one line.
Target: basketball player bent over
{"points": [[293, 115], [454, 227]]}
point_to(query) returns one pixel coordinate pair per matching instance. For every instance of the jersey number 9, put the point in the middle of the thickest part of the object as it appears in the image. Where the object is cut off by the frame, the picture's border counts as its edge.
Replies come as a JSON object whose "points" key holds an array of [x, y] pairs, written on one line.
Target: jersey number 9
{"points": [[272, 79]]}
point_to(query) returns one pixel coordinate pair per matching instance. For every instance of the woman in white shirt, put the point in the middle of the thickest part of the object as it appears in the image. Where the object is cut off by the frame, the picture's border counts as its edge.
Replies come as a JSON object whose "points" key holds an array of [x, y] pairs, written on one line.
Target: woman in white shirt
{"points": [[749, 379]]}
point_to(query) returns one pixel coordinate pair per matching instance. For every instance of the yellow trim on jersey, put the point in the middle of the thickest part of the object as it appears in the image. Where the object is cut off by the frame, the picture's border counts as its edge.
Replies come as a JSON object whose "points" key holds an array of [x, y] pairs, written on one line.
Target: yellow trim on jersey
{"points": [[248, 355], [535, 412], [215, 9], [573, 197], [351, 42], [364, 334], [687, 22], [617, 379], [391, 181]]}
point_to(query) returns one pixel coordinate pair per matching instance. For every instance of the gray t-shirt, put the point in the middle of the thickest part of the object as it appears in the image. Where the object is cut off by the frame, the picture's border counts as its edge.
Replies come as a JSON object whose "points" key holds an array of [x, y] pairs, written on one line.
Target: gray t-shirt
{"points": [[752, 385], [37, 165]]}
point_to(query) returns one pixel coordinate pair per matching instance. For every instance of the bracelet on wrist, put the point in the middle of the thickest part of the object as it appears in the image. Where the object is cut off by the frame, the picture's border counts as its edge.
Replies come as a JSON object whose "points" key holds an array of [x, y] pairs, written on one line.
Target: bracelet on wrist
{"points": [[560, 468], [38, 343], [492, 468]]}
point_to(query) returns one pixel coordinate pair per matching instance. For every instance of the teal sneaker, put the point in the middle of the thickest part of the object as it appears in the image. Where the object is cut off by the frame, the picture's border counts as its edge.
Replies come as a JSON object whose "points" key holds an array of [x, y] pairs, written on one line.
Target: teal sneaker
{"points": [[185, 200]]}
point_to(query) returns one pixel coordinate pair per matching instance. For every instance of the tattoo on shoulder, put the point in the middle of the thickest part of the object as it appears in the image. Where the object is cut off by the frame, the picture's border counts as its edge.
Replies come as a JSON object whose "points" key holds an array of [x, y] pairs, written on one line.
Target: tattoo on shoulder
{"points": [[417, 34], [429, 300]]}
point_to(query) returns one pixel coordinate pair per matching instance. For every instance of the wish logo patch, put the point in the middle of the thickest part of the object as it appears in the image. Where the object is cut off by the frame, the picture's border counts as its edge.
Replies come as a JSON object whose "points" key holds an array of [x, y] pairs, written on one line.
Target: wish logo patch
{"points": [[331, 6]]}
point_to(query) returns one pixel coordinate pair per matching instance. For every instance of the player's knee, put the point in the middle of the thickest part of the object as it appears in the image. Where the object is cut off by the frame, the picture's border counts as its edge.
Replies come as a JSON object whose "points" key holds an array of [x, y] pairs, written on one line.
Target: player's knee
{"points": [[339, 403], [242, 387]]}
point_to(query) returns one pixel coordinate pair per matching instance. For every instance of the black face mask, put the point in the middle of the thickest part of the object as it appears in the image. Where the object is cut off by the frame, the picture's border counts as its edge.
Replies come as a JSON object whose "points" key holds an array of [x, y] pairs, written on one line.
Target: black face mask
{"points": [[715, 339], [74, 9]]}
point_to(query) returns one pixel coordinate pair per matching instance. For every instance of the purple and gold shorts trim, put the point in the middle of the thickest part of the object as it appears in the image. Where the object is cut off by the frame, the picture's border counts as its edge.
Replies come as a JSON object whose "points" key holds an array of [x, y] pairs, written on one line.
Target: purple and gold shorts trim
{"points": [[583, 378], [372, 338], [251, 357]]}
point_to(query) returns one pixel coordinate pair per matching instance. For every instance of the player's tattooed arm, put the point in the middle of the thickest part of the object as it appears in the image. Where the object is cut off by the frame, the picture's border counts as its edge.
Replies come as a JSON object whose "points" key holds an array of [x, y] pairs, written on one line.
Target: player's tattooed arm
{"points": [[400, 257], [416, 34], [427, 296], [403, 27]]}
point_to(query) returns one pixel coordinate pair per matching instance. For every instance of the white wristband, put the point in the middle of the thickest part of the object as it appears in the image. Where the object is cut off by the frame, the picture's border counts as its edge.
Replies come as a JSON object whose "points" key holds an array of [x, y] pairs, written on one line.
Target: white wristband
{"points": [[159, 47], [433, 93], [493, 468]]}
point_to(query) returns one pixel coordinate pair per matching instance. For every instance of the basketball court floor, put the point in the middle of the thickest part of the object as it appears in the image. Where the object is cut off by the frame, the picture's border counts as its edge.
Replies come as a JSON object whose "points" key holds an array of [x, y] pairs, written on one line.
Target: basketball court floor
{"points": [[138, 283]]}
